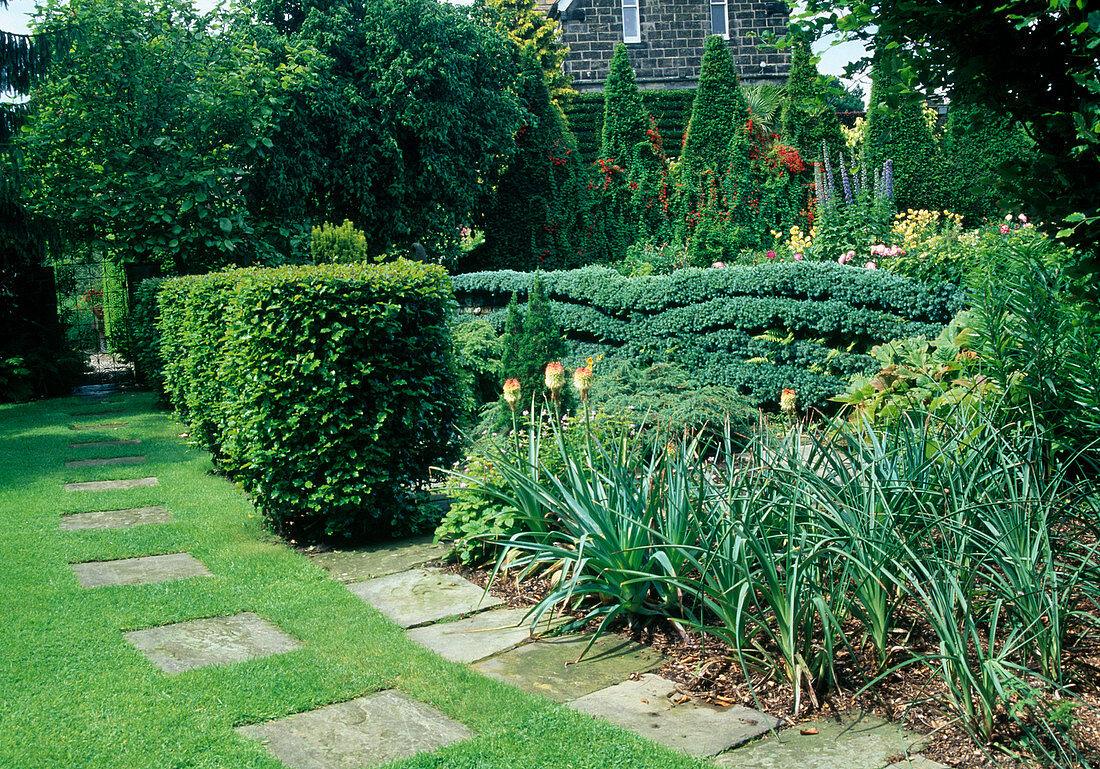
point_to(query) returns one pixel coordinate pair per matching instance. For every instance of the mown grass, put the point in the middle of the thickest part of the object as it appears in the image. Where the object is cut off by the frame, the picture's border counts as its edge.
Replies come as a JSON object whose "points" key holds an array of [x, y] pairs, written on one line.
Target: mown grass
{"points": [[76, 694]]}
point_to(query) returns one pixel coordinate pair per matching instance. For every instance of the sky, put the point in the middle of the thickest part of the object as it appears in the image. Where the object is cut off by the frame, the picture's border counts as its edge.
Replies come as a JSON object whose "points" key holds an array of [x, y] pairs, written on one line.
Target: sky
{"points": [[15, 17]]}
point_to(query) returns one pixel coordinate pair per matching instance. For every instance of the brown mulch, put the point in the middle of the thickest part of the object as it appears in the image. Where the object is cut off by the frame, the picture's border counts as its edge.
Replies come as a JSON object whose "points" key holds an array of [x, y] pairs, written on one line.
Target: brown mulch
{"points": [[709, 669]]}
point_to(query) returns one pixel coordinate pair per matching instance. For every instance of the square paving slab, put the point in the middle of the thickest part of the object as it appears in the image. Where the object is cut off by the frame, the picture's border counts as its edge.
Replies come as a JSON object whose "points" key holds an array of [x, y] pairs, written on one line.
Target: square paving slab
{"points": [[104, 444], [115, 519], [122, 485], [103, 426], [378, 560], [132, 460], [140, 571], [476, 637], [423, 595], [215, 641], [368, 731], [547, 667], [858, 743], [653, 707]]}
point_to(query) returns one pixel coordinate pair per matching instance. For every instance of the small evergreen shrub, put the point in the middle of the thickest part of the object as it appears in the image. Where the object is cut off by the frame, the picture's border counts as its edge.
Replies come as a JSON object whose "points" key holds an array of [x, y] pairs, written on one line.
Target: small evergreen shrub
{"points": [[328, 392], [530, 341], [345, 244]]}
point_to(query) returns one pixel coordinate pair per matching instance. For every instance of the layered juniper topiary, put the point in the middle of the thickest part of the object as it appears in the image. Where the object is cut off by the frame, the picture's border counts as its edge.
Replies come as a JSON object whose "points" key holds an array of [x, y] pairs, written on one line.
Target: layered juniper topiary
{"points": [[898, 131], [807, 118], [537, 216]]}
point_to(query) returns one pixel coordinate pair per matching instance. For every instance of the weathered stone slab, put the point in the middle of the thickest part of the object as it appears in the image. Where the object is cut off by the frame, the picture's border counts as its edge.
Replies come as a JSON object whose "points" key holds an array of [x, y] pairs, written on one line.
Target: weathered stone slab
{"points": [[858, 743], [215, 641], [369, 731], [378, 560], [476, 637], [140, 571], [104, 426], [105, 461], [423, 595], [115, 519], [122, 485], [104, 444], [653, 707], [96, 412], [549, 666]]}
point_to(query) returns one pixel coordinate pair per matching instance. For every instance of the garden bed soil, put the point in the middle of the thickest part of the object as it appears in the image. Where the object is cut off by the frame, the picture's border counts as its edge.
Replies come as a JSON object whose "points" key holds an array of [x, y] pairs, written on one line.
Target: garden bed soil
{"points": [[708, 669]]}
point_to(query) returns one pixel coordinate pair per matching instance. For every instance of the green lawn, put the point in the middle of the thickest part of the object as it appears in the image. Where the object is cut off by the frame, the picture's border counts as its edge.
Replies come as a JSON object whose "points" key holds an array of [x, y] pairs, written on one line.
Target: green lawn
{"points": [[76, 694]]}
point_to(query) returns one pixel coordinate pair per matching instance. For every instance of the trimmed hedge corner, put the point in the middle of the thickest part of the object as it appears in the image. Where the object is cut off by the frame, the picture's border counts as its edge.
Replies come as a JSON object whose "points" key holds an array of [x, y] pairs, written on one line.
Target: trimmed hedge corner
{"points": [[328, 392], [806, 326]]}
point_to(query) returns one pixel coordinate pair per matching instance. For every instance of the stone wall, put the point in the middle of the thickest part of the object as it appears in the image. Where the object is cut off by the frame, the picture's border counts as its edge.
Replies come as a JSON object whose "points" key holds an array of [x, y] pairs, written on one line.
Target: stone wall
{"points": [[671, 50]]}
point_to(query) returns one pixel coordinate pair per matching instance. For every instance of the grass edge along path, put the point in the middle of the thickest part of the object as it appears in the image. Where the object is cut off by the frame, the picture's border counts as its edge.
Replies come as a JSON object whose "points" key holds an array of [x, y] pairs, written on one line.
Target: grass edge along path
{"points": [[76, 694]]}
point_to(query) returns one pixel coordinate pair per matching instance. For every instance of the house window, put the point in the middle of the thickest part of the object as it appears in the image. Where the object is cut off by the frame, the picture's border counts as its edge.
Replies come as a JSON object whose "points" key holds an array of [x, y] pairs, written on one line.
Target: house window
{"points": [[719, 19], [632, 24]]}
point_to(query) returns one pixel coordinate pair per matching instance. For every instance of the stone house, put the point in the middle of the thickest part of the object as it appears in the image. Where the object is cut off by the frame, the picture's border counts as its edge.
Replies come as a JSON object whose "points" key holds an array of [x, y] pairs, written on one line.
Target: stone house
{"points": [[665, 38]]}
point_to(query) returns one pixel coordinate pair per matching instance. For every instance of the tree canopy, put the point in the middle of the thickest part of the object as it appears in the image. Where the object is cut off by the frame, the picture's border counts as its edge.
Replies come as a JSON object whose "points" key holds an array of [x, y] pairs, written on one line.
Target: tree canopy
{"points": [[142, 136], [1036, 61], [406, 112]]}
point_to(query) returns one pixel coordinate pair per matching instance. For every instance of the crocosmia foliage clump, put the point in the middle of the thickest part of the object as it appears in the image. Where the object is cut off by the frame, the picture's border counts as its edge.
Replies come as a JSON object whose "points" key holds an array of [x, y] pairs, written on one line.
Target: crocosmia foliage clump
{"points": [[328, 392]]}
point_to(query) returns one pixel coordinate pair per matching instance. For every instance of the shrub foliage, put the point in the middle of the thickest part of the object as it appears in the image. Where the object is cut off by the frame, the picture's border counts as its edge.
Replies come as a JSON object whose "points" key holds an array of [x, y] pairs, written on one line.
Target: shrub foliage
{"points": [[759, 329], [327, 391]]}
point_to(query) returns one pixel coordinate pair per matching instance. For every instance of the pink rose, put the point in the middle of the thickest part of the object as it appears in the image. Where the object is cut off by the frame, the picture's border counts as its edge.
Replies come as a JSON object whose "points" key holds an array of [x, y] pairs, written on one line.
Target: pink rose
{"points": [[770, 255], [798, 257], [1004, 229], [718, 265], [871, 266]]}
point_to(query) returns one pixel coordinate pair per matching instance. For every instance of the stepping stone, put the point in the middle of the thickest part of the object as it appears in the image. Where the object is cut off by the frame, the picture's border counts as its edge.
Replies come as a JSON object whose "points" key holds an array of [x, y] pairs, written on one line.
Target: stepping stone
{"points": [[477, 637], [379, 560], [651, 706], [96, 413], [214, 641], [134, 460], [859, 743], [104, 444], [105, 426], [423, 595], [123, 485], [549, 666], [140, 571], [369, 731], [115, 519]]}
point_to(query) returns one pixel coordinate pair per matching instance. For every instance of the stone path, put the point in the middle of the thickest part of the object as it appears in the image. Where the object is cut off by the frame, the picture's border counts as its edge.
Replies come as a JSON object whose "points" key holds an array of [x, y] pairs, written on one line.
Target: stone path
{"points": [[105, 461], [420, 596], [213, 641], [368, 731], [613, 680], [458, 620], [120, 485], [140, 571], [115, 519]]}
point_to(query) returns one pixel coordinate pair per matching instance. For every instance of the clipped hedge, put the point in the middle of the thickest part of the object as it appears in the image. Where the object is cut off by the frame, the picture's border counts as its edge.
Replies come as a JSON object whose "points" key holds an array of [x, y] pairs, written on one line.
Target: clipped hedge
{"points": [[807, 326], [328, 392]]}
